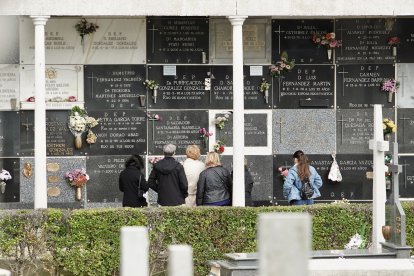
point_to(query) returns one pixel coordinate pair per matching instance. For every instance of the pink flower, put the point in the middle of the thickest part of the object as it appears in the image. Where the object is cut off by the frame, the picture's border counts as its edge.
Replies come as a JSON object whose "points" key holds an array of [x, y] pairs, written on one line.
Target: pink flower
{"points": [[72, 99], [31, 99], [394, 41]]}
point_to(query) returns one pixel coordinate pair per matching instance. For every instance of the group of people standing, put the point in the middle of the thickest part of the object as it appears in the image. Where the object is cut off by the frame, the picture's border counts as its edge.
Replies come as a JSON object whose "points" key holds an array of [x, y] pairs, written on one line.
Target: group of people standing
{"points": [[194, 183]]}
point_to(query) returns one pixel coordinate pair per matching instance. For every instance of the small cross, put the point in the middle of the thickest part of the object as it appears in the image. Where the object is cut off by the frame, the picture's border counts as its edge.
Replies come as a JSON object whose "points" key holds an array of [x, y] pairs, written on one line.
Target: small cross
{"points": [[92, 77], [405, 173], [153, 36], [280, 128], [341, 29], [278, 33], [343, 80], [342, 127], [27, 125], [402, 76], [403, 126]]}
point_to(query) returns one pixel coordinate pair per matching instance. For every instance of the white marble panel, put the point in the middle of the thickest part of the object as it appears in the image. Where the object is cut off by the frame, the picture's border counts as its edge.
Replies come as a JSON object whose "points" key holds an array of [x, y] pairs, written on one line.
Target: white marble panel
{"points": [[9, 35], [9, 86], [405, 94]]}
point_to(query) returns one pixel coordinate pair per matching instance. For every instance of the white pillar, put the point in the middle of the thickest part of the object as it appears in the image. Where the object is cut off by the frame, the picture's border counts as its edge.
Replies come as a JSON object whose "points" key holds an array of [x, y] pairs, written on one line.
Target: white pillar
{"points": [[238, 111], [284, 244], [134, 251], [378, 146], [40, 190], [180, 260]]}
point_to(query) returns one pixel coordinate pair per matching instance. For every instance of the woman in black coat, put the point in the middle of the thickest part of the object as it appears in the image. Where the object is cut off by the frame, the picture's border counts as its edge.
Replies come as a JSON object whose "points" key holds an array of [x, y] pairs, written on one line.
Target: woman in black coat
{"points": [[132, 180]]}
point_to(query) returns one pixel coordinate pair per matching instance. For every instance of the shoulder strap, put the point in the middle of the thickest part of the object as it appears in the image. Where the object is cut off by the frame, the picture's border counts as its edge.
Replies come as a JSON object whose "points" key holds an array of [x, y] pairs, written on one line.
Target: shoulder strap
{"points": [[139, 182]]}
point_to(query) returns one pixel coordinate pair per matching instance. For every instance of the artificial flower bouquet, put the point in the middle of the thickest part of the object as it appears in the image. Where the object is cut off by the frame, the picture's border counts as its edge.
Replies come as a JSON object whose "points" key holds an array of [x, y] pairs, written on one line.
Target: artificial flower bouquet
{"points": [[80, 122], [4, 176], [151, 84], [85, 28], [282, 66], [327, 40], [390, 85], [394, 41], [77, 177], [388, 126], [219, 146], [220, 121]]}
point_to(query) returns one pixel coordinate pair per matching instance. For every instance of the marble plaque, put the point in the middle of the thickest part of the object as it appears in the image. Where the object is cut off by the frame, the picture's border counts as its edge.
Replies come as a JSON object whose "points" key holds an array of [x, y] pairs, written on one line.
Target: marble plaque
{"points": [[310, 130], [405, 130], [67, 192], [260, 168], [405, 94], [355, 129], [9, 133], [103, 186], [116, 41], [256, 41], [64, 83], [406, 177], [12, 188], [9, 86], [9, 46]]}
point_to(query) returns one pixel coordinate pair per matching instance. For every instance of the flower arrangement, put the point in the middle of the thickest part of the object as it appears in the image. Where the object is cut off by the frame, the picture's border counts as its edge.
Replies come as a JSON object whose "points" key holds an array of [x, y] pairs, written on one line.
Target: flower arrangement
{"points": [[77, 177], [264, 85], [388, 126], [394, 41], [204, 135], [343, 201], [85, 28], [155, 159], [390, 85], [220, 121], [80, 122], [4, 176], [282, 66], [219, 146], [30, 99], [357, 241], [153, 117], [327, 40], [284, 171], [151, 84], [387, 159]]}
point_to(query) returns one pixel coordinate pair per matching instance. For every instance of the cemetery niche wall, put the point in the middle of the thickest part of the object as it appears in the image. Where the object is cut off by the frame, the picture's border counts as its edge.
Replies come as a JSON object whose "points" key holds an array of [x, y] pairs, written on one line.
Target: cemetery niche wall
{"points": [[320, 103]]}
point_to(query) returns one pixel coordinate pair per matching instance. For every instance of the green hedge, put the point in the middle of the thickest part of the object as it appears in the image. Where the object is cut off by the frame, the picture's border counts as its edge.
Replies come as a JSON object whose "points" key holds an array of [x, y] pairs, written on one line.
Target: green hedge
{"points": [[86, 242]]}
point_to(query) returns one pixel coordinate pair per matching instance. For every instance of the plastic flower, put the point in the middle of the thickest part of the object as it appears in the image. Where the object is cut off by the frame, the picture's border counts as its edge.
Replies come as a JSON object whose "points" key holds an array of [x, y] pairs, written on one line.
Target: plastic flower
{"points": [[219, 147], [221, 120], [390, 85], [72, 99], [204, 133], [327, 40], [77, 177], [85, 28], [154, 117], [388, 126], [282, 66], [264, 85], [356, 242], [394, 41], [5, 175], [151, 84]]}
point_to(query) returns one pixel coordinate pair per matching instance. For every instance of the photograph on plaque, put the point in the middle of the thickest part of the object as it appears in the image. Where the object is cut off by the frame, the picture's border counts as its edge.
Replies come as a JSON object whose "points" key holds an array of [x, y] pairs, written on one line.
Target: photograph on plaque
{"points": [[177, 40], [64, 86], [10, 180], [189, 87], [354, 129], [356, 171], [295, 37], [181, 128], [405, 130], [364, 41], [119, 132], [115, 87], [9, 133], [9, 46], [311, 130], [405, 93], [406, 177], [103, 186], [115, 41], [256, 41], [260, 169], [305, 86], [9, 86], [360, 86]]}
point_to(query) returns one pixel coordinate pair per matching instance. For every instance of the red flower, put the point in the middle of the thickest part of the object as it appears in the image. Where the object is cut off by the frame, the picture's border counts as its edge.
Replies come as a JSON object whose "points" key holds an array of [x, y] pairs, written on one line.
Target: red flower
{"points": [[394, 40], [31, 99], [72, 99], [221, 149]]}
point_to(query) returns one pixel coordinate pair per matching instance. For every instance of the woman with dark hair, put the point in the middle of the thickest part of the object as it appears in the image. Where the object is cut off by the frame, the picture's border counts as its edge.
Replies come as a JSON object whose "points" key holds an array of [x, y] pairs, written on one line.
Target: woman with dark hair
{"points": [[132, 182], [297, 175]]}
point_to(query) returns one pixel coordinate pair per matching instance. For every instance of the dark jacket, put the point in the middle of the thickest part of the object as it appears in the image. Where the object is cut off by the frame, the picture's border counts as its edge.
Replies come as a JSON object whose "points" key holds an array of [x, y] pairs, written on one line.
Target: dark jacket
{"points": [[214, 185], [128, 183], [169, 181], [248, 187]]}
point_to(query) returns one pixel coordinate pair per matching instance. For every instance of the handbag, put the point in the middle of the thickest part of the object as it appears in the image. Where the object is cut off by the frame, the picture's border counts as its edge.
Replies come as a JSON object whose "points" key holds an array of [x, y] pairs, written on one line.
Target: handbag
{"points": [[140, 192]]}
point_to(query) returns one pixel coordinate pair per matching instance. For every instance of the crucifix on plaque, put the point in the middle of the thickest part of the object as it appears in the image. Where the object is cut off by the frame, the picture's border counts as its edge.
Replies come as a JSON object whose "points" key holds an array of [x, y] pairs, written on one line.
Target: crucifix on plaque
{"points": [[278, 33], [403, 127], [153, 36], [153, 127], [27, 125], [402, 76], [341, 37], [92, 77], [405, 173], [280, 128], [342, 127], [343, 80]]}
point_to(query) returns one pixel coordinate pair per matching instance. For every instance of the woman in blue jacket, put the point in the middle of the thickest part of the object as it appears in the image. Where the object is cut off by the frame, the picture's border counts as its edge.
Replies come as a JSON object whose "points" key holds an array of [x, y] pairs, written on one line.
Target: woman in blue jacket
{"points": [[293, 182]]}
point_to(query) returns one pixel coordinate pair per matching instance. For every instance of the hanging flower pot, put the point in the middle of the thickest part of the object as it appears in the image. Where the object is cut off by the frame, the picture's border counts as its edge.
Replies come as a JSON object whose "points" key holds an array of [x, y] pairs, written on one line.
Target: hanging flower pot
{"points": [[78, 193], [3, 187], [386, 231], [329, 51], [390, 96], [155, 94], [4, 176], [394, 51], [78, 141], [387, 137]]}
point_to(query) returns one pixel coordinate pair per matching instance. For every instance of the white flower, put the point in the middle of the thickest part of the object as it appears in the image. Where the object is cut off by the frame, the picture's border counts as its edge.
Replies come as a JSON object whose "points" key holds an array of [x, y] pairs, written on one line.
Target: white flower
{"points": [[355, 242]]}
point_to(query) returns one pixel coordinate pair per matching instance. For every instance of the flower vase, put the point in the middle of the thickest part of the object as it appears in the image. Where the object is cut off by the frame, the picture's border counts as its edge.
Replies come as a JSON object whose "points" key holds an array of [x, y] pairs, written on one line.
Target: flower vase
{"points": [[390, 94], [388, 184], [78, 141], [142, 100], [154, 94], [204, 142], [3, 187], [386, 232], [394, 51], [387, 137], [266, 95], [329, 51], [78, 193]]}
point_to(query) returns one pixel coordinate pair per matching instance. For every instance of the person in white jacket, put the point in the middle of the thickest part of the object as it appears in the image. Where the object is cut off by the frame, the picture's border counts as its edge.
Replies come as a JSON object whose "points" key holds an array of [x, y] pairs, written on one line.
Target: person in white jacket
{"points": [[192, 168]]}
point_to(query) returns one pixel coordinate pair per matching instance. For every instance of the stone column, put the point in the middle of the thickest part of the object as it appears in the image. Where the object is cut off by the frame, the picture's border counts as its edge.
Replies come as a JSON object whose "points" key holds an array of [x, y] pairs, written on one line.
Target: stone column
{"points": [[40, 190], [238, 111], [134, 251], [378, 146]]}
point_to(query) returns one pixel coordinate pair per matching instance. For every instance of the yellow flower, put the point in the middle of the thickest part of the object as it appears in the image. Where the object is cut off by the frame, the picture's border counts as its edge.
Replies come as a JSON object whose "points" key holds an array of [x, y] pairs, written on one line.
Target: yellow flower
{"points": [[394, 129], [391, 124], [384, 126], [386, 120]]}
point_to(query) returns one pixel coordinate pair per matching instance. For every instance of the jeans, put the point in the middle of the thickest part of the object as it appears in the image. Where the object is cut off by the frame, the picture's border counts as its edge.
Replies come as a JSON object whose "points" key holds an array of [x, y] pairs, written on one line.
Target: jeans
{"points": [[301, 202]]}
